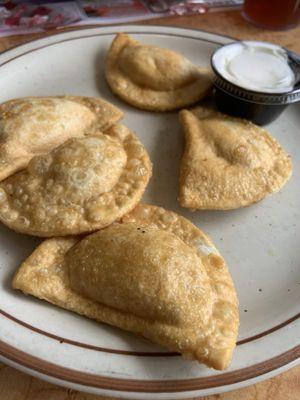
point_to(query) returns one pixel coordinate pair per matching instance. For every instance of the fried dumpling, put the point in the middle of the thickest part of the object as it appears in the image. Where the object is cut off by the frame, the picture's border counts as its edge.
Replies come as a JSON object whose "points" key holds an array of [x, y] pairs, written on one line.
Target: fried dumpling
{"points": [[228, 162], [81, 186], [154, 78], [153, 274], [34, 125]]}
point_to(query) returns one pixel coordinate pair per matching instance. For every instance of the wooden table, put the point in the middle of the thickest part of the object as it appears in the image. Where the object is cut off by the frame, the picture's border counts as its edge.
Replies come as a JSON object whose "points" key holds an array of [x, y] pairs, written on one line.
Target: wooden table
{"points": [[15, 385]]}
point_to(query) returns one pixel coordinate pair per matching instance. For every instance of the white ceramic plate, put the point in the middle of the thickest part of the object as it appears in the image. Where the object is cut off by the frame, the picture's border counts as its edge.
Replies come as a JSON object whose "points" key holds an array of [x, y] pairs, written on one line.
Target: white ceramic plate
{"points": [[260, 243]]}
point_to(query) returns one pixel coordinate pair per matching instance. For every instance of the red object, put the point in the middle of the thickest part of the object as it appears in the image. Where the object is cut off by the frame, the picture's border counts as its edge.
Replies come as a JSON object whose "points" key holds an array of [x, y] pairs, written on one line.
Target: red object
{"points": [[275, 14], [89, 9], [10, 5], [12, 21], [42, 10]]}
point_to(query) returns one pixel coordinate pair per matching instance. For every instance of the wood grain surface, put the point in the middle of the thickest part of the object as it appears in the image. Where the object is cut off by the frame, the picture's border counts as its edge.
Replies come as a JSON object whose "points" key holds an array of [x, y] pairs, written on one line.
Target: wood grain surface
{"points": [[15, 385]]}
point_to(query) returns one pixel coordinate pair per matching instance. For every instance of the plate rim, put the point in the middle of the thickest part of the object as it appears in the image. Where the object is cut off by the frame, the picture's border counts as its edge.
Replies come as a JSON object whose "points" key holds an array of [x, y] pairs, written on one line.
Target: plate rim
{"points": [[187, 385], [147, 386]]}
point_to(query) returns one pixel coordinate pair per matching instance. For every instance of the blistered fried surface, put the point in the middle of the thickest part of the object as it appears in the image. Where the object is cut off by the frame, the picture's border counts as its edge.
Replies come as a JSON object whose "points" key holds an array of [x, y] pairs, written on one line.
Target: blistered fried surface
{"points": [[82, 185], [154, 274], [153, 78], [143, 271], [228, 162], [35, 125]]}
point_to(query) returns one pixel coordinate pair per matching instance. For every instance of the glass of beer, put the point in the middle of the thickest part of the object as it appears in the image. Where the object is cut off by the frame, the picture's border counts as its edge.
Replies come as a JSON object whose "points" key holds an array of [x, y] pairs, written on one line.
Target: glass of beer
{"points": [[272, 14]]}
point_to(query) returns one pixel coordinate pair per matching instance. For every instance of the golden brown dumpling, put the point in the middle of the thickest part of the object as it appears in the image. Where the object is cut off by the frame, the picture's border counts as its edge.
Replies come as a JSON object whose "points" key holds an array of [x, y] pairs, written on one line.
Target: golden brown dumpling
{"points": [[154, 274], [35, 125], [154, 78], [228, 162], [83, 185]]}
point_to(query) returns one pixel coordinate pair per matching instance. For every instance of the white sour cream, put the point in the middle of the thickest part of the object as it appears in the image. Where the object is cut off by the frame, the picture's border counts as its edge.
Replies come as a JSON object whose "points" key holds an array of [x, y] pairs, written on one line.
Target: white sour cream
{"points": [[258, 66]]}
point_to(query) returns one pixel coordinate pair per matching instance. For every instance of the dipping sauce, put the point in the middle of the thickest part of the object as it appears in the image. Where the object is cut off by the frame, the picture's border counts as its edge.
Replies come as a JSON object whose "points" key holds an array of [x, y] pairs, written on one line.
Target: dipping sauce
{"points": [[256, 66], [255, 80]]}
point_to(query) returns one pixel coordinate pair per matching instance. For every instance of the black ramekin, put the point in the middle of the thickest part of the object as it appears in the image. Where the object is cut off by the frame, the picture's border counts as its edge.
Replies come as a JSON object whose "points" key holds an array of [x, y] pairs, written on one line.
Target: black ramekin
{"points": [[259, 107]]}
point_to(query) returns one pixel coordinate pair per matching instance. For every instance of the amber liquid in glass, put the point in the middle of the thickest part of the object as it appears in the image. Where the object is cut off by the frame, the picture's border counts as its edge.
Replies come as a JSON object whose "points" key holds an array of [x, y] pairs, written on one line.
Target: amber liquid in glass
{"points": [[272, 14]]}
